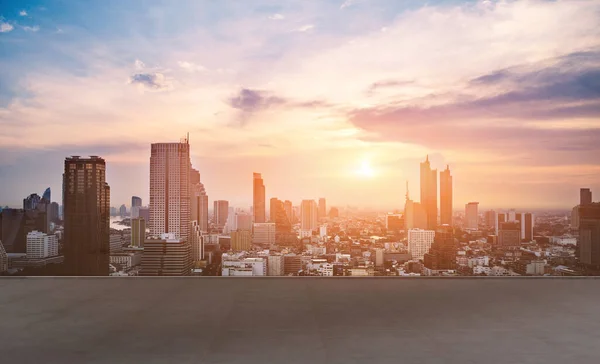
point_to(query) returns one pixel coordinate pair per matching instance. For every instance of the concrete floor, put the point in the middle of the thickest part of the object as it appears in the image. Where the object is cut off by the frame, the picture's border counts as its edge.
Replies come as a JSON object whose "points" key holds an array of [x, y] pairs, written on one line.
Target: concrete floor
{"points": [[299, 320]]}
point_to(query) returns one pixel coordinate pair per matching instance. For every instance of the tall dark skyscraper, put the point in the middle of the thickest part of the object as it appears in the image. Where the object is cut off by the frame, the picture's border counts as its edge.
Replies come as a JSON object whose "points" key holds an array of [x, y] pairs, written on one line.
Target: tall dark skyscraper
{"points": [[258, 206], [589, 235], [86, 201], [429, 193], [446, 197], [31, 202], [585, 196]]}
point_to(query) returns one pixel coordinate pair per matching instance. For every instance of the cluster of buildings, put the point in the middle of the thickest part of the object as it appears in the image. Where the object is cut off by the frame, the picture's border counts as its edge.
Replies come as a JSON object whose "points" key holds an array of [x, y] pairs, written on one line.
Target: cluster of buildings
{"points": [[177, 235]]}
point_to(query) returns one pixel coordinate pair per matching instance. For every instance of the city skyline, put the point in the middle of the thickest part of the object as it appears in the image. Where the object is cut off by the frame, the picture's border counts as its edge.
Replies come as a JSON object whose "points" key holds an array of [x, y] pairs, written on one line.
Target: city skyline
{"points": [[513, 110]]}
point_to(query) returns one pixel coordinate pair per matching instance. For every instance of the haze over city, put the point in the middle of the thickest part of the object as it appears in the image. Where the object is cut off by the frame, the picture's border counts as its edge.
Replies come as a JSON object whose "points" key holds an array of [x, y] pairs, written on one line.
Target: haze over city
{"points": [[341, 99]]}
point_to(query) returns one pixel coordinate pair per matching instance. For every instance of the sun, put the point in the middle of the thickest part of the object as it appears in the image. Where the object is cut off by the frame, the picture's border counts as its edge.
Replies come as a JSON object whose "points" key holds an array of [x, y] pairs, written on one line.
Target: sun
{"points": [[366, 170]]}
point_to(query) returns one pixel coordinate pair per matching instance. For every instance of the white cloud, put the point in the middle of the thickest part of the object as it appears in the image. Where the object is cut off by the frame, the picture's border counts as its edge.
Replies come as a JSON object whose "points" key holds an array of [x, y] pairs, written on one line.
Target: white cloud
{"points": [[5, 27], [305, 28], [276, 17], [34, 28], [139, 64], [23, 13], [191, 67], [346, 4]]}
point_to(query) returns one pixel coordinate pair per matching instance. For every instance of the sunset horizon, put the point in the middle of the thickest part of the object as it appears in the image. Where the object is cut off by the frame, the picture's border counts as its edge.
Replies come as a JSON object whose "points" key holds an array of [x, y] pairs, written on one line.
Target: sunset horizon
{"points": [[335, 99]]}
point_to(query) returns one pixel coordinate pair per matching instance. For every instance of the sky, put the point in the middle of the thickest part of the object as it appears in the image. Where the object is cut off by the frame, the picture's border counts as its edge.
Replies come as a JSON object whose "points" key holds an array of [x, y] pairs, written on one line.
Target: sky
{"points": [[338, 99]]}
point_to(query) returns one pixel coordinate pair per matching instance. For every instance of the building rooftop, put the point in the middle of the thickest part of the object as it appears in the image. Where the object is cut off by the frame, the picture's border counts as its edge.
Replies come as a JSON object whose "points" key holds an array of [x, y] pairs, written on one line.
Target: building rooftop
{"points": [[299, 320]]}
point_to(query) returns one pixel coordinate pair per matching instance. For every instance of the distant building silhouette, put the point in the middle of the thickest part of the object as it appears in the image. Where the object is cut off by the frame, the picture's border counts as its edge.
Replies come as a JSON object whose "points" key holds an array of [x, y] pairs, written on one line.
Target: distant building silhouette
{"points": [[472, 215], [526, 221], [334, 213], [31, 202], [170, 189], [264, 234], [289, 211], [221, 211], [86, 201], [15, 224], [123, 210], [491, 219], [258, 206], [199, 201], [308, 215], [322, 212], [54, 212], [585, 196], [3, 259], [446, 197], [394, 222], [280, 217], [429, 193]]}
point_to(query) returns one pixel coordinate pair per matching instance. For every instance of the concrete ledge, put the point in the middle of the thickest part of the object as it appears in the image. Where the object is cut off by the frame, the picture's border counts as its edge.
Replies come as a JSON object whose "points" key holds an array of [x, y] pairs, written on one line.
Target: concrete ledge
{"points": [[299, 320]]}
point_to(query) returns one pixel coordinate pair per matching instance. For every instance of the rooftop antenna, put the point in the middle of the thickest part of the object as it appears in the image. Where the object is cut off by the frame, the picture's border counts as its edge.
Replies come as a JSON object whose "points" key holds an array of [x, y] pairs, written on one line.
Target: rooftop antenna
{"points": [[407, 196]]}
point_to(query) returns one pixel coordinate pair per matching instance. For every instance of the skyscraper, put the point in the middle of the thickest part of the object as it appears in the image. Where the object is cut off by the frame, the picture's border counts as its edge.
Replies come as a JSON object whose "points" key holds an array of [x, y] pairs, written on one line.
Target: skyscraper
{"points": [[287, 205], [136, 203], [309, 215], [199, 201], [258, 207], [322, 208], [221, 211], [415, 216], [123, 210], [272, 209], [86, 201], [589, 235], [138, 231], [446, 197], [491, 219], [429, 193], [170, 189], [585, 196], [54, 216], [472, 215], [30, 202]]}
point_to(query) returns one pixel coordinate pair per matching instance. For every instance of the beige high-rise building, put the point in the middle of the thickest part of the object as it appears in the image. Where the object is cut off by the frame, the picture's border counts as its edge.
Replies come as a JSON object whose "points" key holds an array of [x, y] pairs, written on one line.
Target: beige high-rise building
{"points": [[308, 214], [419, 242], [429, 193], [199, 201], [220, 212], [472, 215], [264, 233], [170, 189], [241, 241], [322, 208], [258, 207], [446, 197]]}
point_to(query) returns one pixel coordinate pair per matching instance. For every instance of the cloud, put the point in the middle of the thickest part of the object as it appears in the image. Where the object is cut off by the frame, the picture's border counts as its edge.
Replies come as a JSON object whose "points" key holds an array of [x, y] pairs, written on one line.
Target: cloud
{"points": [[276, 17], [347, 3], [23, 13], [522, 105], [5, 27], [33, 29], [305, 28], [249, 100], [388, 84], [139, 65], [154, 81], [191, 67]]}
